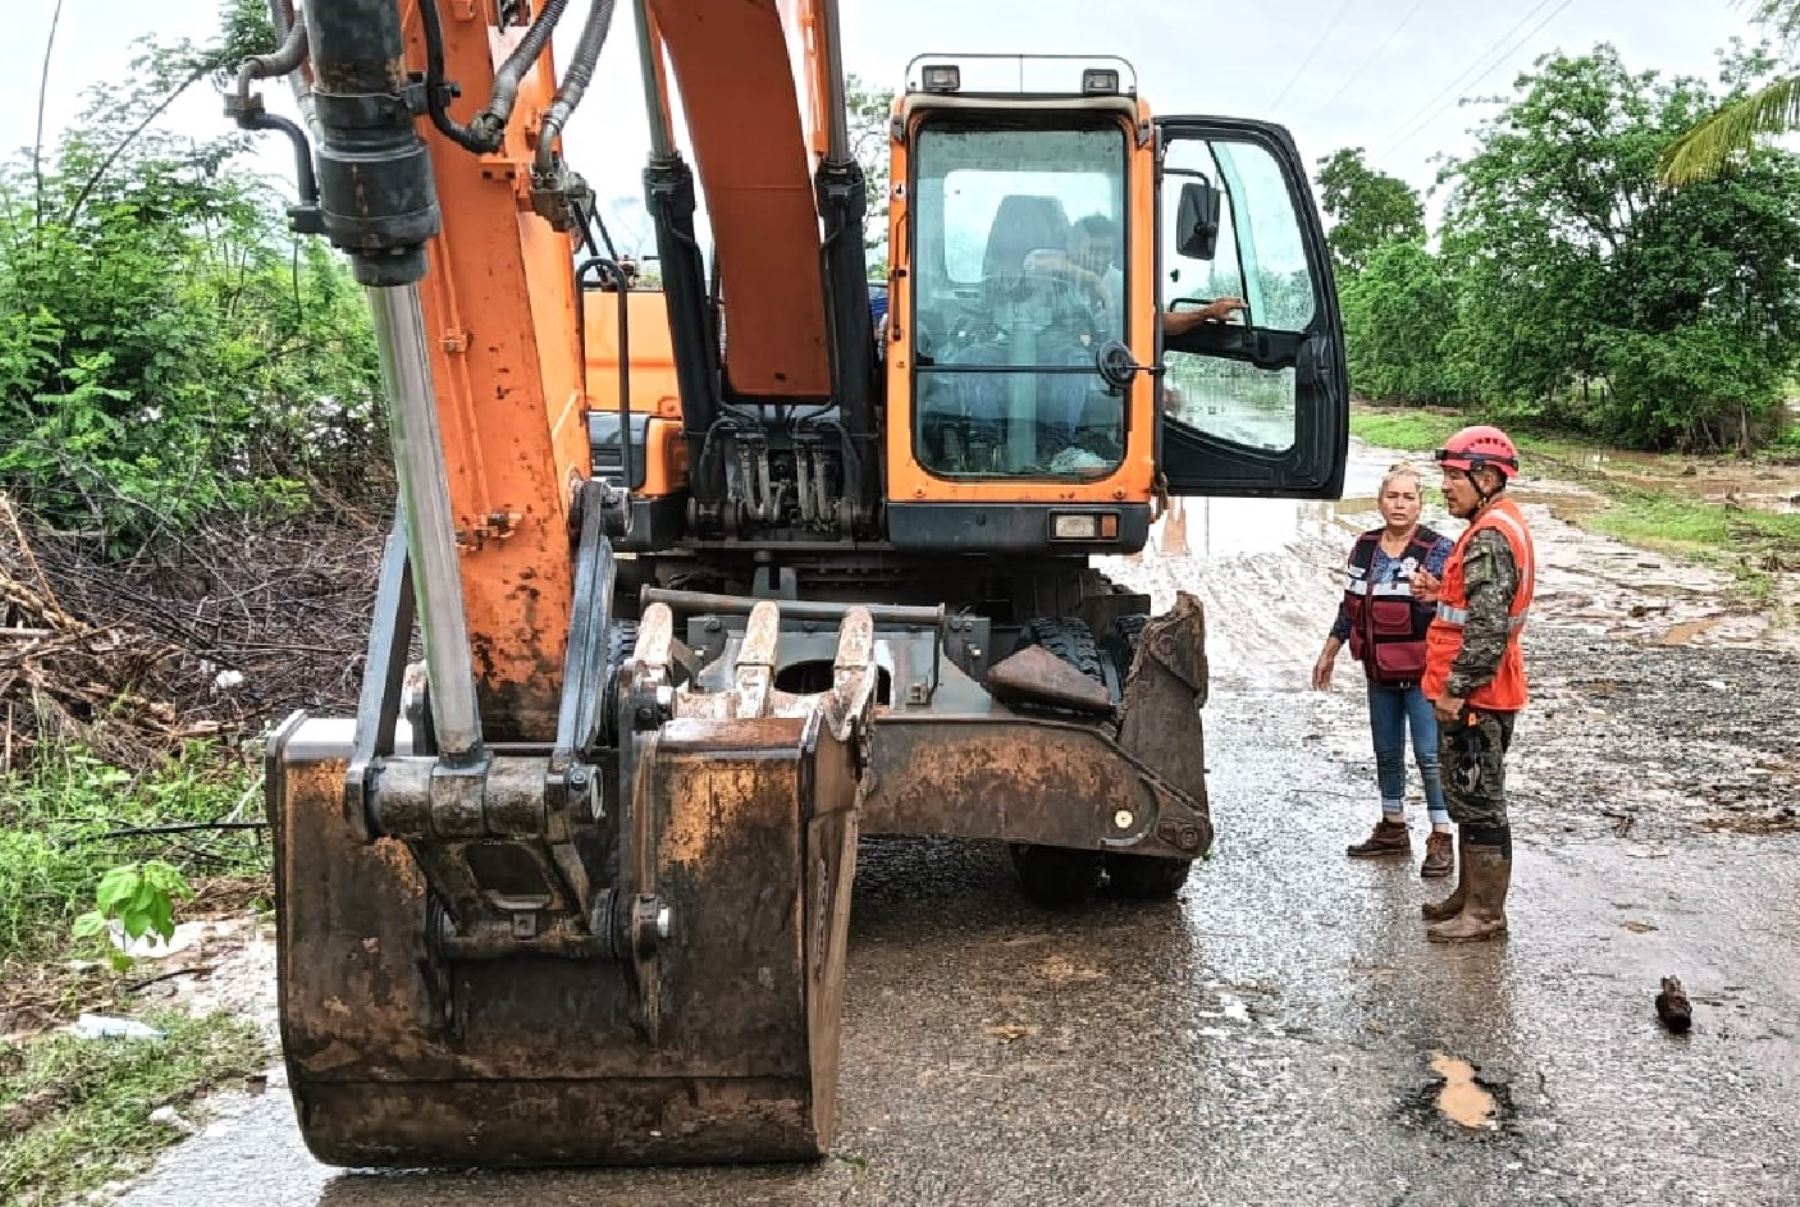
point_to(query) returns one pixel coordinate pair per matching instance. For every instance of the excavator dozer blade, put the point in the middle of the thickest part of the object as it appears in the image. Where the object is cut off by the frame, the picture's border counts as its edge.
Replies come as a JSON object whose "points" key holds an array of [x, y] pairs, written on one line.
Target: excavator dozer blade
{"points": [[707, 1031]]}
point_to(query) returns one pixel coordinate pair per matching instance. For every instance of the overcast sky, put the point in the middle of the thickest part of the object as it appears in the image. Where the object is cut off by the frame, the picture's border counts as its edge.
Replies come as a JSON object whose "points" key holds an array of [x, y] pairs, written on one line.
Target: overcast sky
{"points": [[1383, 74]]}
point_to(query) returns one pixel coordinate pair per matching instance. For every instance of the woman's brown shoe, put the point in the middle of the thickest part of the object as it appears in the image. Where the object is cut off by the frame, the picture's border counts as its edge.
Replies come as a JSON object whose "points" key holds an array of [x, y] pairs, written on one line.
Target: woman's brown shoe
{"points": [[1387, 838], [1439, 862]]}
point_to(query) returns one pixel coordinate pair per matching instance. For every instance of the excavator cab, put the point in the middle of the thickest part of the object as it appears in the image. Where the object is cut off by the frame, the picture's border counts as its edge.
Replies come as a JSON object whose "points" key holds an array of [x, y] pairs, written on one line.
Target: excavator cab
{"points": [[710, 580], [1038, 241]]}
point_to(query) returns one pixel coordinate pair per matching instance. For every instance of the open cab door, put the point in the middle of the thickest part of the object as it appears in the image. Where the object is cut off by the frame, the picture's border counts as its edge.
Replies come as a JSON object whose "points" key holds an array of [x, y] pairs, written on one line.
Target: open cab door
{"points": [[1257, 405]]}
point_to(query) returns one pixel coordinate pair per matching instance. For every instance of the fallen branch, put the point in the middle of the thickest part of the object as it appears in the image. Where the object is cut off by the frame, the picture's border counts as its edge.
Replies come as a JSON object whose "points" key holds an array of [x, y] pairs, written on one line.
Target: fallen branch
{"points": [[190, 970], [185, 827]]}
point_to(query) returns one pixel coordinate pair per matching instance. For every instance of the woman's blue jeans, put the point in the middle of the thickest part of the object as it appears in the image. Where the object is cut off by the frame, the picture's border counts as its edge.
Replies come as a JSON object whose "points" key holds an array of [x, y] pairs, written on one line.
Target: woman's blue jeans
{"points": [[1391, 711]]}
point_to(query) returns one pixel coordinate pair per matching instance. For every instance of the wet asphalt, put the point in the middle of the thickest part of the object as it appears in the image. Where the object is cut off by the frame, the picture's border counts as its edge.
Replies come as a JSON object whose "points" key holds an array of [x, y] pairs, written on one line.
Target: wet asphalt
{"points": [[1270, 1037], [1266, 1039]]}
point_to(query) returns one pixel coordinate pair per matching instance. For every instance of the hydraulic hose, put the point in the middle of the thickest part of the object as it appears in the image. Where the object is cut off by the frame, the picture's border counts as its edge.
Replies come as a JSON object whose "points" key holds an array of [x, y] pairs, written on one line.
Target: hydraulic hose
{"points": [[250, 114], [286, 58], [574, 85], [487, 129]]}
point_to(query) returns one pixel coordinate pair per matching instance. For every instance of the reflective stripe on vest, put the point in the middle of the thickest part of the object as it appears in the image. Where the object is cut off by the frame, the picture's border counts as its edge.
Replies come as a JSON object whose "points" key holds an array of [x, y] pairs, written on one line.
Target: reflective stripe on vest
{"points": [[1458, 617], [1401, 589]]}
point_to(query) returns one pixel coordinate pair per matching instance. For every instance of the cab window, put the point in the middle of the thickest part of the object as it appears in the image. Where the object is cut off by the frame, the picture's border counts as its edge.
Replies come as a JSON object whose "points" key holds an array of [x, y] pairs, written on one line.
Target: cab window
{"points": [[1019, 277], [1260, 257]]}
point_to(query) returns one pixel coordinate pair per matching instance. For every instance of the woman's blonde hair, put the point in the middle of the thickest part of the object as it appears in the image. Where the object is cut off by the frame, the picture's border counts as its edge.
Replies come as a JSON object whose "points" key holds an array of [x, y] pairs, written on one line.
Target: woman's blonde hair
{"points": [[1402, 469]]}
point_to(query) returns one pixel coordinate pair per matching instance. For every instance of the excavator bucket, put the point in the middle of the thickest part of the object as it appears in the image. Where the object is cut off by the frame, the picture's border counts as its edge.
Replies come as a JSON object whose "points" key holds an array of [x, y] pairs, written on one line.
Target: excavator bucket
{"points": [[664, 978]]}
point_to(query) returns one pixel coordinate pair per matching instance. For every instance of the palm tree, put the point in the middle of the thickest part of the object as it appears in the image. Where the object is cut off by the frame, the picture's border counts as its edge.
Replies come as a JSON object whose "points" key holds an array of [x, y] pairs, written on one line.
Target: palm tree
{"points": [[1774, 109]]}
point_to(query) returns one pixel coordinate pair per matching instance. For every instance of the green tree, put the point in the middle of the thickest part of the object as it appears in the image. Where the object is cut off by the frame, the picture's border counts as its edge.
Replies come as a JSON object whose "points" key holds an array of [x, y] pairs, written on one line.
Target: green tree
{"points": [[869, 111], [1369, 209], [1595, 296], [1749, 114], [1399, 315]]}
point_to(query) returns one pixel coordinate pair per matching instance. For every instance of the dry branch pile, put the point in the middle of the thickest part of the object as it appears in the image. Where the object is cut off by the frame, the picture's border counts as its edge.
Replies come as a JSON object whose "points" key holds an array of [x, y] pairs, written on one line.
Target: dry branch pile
{"points": [[215, 633]]}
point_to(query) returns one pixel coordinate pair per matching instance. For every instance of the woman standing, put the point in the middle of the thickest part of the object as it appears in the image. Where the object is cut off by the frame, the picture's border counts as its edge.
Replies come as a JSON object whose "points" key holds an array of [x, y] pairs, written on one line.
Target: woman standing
{"points": [[1384, 626]]}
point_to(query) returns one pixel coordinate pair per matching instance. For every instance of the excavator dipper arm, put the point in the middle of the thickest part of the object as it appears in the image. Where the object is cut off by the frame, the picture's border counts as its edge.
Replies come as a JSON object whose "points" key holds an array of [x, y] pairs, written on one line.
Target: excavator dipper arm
{"points": [[555, 899]]}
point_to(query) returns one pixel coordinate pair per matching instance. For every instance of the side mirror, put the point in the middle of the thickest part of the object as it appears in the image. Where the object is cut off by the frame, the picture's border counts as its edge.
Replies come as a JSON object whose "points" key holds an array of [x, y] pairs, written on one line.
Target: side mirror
{"points": [[1197, 220]]}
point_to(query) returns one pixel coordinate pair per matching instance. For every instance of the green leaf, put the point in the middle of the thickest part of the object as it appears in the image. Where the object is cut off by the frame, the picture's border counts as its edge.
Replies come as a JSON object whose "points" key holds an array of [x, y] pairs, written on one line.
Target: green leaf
{"points": [[117, 887], [1732, 131]]}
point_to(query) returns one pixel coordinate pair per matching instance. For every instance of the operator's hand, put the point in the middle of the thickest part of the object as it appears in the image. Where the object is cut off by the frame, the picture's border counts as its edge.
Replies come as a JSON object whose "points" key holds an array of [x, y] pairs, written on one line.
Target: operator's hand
{"points": [[1426, 585], [1220, 309], [1449, 709], [1322, 672], [1180, 322]]}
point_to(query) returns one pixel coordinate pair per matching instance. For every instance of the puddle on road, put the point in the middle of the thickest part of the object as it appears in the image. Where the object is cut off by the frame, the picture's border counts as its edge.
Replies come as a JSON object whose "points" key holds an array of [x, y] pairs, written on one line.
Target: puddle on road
{"points": [[1462, 1099], [1685, 632]]}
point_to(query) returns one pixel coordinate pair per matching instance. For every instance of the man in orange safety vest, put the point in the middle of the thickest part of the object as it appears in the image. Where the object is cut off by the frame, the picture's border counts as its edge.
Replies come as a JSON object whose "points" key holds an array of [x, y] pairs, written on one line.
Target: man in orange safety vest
{"points": [[1475, 674]]}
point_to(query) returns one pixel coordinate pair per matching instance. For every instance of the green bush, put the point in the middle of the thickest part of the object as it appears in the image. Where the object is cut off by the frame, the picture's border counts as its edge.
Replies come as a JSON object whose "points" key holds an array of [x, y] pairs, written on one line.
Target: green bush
{"points": [[167, 347]]}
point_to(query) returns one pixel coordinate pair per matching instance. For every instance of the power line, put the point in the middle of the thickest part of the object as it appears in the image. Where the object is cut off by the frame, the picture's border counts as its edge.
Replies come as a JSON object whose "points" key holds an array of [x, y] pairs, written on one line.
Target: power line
{"points": [[1370, 61], [1485, 64], [1312, 54]]}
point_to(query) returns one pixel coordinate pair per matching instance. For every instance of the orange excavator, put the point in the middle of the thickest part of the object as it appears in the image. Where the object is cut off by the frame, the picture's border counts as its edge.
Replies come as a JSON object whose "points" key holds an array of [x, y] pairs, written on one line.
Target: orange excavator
{"points": [[711, 578]]}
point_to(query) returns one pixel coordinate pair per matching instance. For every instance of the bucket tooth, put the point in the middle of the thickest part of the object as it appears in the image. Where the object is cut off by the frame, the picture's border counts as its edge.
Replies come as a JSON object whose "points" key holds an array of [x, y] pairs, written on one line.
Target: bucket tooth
{"points": [[754, 677]]}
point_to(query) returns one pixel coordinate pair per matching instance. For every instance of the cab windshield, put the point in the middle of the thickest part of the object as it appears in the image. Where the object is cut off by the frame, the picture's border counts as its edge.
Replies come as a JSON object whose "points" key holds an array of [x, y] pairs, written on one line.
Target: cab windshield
{"points": [[1019, 277]]}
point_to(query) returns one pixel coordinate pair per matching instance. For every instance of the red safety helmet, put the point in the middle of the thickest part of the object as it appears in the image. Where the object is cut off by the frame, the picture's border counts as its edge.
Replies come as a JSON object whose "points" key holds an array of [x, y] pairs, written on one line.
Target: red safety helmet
{"points": [[1477, 446]]}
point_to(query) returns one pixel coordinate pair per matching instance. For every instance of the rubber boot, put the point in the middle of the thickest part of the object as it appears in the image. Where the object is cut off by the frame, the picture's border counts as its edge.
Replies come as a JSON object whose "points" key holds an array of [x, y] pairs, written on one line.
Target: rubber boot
{"points": [[1387, 838], [1488, 873]]}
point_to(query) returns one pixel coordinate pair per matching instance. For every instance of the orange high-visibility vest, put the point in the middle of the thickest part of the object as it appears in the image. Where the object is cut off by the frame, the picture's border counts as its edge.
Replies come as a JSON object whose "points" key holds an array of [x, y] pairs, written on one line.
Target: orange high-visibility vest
{"points": [[1505, 692]]}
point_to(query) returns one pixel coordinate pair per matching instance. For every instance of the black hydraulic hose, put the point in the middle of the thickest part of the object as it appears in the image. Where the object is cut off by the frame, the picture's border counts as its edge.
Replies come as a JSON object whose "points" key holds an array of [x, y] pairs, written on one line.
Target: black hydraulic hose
{"points": [[251, 115], [574, 85], [446, 125], [487, 129], [491, 121], [286, 58]]}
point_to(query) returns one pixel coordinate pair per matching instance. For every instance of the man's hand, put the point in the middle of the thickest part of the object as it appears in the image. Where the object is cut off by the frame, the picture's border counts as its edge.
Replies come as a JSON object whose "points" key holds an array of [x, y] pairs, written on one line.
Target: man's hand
{"points": [[1449, 709], [1180, 322], [1322, 671], [1219, 310], [1426, 585]]}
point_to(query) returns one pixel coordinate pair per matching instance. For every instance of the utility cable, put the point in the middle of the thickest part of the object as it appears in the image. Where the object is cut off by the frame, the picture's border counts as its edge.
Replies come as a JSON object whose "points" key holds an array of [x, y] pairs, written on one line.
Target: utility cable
{"points": [[1312, 54], [1484, 65], [1370, 61]]}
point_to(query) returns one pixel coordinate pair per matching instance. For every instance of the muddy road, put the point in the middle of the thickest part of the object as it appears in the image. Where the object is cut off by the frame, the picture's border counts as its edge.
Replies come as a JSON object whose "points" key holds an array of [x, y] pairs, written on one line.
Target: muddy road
{"points": [[1283, 1033]]}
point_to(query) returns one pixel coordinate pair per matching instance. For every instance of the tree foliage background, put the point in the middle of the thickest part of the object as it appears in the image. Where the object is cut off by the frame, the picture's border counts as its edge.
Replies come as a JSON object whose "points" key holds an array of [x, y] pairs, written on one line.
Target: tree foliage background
{"points": [[1568, 285], [167, 348]]}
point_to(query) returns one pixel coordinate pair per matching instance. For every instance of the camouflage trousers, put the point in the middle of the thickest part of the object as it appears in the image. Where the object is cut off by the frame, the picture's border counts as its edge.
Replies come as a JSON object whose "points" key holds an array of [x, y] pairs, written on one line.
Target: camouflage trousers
{"points": [[1473, 755]]}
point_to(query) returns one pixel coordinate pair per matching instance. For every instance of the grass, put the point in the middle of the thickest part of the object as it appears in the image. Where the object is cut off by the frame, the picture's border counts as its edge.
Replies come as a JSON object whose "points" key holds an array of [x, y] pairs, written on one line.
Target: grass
{"points": [[1753, 545], [59, 834], [75, 1113], [1416, 430]]}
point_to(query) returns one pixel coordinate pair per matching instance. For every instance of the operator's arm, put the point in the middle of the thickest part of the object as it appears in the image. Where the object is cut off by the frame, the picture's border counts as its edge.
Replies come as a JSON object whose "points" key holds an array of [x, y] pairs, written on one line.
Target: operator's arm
{"points": [[1180, 322], [1490, 579]]}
